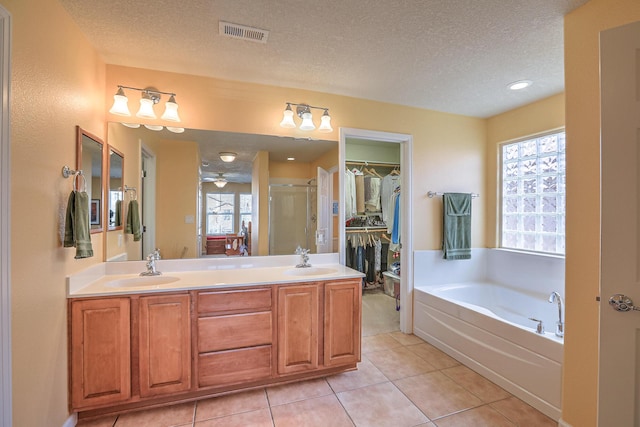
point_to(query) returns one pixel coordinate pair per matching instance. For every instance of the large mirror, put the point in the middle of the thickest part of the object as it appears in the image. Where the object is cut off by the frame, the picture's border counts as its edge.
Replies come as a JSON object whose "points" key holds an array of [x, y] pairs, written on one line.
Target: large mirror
{"points": [[89, 156], [193, 203]]}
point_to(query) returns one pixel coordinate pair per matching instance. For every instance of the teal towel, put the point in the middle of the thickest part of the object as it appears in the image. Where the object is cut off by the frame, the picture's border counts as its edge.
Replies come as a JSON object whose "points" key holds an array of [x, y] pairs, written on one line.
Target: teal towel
{"points": [[133, 221], [456, 236], [77, 231]]}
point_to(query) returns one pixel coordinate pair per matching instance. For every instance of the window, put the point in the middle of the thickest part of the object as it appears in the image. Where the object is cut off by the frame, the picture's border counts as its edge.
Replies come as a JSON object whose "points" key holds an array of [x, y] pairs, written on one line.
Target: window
{"points": [[220, 208], [245, 209], [533, 194]]}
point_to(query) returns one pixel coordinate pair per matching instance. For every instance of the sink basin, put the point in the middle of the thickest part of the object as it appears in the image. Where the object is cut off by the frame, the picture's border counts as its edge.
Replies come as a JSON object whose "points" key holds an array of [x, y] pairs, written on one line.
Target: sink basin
{"points": [[142, 281], [309, 271]]}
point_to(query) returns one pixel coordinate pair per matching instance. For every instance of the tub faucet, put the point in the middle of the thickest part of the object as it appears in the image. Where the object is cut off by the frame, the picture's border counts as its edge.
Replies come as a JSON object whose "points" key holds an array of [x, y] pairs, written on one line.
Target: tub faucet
{"points": [[540, 327], [304, 257], [555, 297], [151, 265]]}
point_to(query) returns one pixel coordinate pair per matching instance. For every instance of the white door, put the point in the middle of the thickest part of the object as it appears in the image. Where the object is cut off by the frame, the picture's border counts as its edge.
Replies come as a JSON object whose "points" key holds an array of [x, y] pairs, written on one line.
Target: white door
{"points": [[323, 239], [619, 370]]}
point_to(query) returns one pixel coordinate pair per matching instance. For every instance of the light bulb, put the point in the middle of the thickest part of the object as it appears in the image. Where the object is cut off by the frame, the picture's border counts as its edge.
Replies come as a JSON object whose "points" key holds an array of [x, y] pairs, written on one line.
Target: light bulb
{"points": [[325, 123], [120, 105], [146, 107], [307, 123], [171, 110], [287, 119]]}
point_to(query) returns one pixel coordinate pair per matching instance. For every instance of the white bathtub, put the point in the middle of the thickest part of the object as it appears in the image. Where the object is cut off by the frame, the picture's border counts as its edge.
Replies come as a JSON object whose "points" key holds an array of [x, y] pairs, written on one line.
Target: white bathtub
{"points": [[486, 326]]}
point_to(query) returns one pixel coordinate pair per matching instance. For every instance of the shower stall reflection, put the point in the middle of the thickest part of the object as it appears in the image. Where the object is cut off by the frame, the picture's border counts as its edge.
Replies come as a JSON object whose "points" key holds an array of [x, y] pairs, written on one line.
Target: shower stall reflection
{"points": [[292, 217]]}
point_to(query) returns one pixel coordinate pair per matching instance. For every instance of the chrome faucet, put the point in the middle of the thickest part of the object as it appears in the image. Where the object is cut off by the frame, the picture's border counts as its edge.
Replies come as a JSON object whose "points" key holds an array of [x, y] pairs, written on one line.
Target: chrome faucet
{"points": [[555, 297], [304, 257], [151, 264], [540, 327]]}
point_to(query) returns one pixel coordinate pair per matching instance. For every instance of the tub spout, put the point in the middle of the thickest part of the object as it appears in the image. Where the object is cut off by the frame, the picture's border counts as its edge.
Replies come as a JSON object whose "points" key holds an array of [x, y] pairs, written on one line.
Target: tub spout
{"points": [[555, 297]]}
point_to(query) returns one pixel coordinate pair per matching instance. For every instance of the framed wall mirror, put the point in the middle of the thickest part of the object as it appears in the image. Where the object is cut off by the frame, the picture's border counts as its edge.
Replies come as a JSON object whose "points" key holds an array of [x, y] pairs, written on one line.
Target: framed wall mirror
{"points": [[115, 189], [89, 159], [191, 200]]}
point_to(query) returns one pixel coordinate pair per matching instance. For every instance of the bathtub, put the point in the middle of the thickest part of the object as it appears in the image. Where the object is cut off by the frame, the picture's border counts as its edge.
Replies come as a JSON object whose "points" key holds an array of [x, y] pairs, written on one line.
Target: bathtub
{"points": [[486, 326]]}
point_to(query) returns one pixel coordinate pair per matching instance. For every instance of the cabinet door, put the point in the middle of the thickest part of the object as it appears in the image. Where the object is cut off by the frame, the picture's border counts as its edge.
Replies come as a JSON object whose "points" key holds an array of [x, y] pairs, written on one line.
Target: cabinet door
{"points": [[342, 313], [298, 328], [100, 352], [165, 345]]}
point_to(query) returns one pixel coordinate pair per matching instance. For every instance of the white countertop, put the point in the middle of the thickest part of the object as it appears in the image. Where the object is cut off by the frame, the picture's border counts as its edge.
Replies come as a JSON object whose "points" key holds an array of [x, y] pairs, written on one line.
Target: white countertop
{"points": [[112, 279]]}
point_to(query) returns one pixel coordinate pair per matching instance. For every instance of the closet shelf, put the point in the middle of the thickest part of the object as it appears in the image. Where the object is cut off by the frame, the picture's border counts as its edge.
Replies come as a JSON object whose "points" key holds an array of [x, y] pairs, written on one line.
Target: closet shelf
{"points": [[378, 164]]}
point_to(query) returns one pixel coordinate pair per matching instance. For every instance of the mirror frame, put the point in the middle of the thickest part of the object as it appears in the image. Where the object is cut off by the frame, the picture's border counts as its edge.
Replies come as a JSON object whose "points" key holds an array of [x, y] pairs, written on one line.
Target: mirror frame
{"points": [[80, 134], [112, 150]]}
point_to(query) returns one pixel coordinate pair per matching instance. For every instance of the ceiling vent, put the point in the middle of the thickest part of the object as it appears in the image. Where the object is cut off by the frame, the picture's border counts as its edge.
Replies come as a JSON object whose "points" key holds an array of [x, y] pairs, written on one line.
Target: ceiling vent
{"points": [[237, 31]]}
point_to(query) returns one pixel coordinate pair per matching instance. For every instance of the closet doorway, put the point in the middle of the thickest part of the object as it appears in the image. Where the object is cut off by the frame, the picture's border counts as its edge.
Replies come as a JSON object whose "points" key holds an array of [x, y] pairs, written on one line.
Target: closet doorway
{"points": [[375, 224]]}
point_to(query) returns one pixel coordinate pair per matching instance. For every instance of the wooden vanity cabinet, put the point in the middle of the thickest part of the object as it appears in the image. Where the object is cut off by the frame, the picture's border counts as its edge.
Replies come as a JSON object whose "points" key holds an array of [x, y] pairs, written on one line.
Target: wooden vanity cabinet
{"points": [[342, 322], [164, 344], [100, 359], [298, 328], [148, 349], [234, 336], [319, 325]]}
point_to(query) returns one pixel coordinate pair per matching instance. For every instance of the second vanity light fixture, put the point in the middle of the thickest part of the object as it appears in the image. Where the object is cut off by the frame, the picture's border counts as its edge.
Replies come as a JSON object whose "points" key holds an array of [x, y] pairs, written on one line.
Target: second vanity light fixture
{"points": [[304, 112], [148, 98]]}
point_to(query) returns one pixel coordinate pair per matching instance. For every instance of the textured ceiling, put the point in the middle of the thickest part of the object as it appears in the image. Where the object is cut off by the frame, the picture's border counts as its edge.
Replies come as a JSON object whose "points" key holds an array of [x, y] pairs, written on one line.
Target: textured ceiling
{"points": [[453, 56]]}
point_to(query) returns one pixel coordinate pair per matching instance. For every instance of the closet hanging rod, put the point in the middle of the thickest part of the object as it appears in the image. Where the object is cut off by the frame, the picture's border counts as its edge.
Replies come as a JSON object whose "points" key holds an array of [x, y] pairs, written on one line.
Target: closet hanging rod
{"points": [[366, 229], [378, 164], [432, 194]]}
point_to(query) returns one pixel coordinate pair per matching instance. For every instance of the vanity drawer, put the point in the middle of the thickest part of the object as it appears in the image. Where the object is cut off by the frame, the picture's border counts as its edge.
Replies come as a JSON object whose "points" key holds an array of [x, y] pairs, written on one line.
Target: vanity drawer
{"points": [[234, 331], [234, 366], [236, 300]]}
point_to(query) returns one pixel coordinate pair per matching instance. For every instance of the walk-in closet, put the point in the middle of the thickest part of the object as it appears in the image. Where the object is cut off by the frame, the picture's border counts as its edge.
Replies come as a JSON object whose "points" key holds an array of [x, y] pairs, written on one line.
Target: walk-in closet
{"points": [[372, 226]]}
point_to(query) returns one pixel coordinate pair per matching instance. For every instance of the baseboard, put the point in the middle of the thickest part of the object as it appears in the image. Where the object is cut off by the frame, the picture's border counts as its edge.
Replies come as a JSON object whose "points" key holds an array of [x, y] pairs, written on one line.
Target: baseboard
{"points": [[71, 421], [563, 423]]}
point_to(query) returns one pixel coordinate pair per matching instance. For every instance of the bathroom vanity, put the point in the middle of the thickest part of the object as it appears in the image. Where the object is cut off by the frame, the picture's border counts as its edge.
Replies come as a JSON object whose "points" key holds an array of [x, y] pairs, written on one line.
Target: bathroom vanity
{"points": [[185, 335]]}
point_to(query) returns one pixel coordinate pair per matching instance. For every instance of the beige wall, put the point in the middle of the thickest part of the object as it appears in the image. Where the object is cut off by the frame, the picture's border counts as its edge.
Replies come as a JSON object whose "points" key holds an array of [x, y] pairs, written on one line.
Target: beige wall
{"points": [[541, 116], [260, 204], [291, 170], [582, 29], [57, 83]]}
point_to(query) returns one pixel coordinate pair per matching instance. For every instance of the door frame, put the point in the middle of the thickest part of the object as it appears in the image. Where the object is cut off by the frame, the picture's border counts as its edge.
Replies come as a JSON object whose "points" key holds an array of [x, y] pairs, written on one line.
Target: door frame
{"points": [[406, 234], [5, 223]]}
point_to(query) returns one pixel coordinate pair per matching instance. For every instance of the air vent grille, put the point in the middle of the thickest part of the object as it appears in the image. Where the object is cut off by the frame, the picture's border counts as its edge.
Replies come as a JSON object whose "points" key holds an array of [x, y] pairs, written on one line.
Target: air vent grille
{"points": [[237, 31]]}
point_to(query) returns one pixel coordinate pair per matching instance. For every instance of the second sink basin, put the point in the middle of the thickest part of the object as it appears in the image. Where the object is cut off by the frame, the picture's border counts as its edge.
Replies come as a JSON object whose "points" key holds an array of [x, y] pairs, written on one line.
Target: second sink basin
{"points": [[142, 281], [310, 271]]}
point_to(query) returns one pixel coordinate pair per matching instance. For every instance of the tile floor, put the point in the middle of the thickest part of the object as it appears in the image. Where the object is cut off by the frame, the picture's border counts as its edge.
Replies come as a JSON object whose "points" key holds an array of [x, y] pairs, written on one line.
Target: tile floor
{"points": [[401, 381]]}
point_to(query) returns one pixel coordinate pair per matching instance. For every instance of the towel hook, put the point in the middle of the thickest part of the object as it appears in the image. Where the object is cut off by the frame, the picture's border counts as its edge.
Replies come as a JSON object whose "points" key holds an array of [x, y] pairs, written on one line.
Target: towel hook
{"points": [[68, 172], [134, 192]]}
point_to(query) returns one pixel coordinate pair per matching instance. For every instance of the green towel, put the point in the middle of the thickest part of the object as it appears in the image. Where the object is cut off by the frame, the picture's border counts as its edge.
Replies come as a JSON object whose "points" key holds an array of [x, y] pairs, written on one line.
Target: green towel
{"points": [[77, 232], [133, 221], [118, 219], [456, 230]]}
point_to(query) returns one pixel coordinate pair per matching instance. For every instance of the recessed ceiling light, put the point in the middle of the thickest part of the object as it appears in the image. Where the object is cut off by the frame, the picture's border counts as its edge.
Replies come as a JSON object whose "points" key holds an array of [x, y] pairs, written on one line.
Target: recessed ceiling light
{"points": [[519, 85], [291, 158]]}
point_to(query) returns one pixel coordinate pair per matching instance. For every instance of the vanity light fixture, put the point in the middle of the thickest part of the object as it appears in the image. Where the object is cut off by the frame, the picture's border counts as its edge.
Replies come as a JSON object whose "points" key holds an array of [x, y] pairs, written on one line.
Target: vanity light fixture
{"points": [[220, 181], [227, 156], [149, 97], [304, 112]]}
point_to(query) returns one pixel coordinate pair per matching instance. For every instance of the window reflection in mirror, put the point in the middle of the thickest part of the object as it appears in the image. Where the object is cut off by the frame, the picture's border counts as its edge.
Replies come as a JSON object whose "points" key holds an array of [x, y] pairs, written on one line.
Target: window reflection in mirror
{"points": [[115, 189], [89, 149]]}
